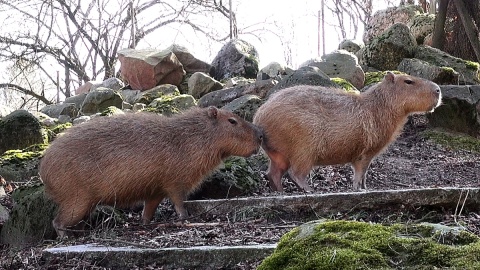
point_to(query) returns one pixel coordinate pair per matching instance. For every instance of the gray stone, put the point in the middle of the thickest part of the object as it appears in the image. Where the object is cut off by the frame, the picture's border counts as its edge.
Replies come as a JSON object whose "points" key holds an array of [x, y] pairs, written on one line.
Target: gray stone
{"points": [[350, 45], [421, 25], [169, 105], [20, 165], [110, 83], [422, 69], [130, 96], [138, 107], [148, 96], [469, 73], [244, 106], [81, 119], [200, 84], [62, 119], [238, 81], [189, 62], [77, 100], [19, 130], [236, 58], [55, 110], [100, 99], [274, 70], [340, 64], [386, 51], [460, 110], [304, 75]]}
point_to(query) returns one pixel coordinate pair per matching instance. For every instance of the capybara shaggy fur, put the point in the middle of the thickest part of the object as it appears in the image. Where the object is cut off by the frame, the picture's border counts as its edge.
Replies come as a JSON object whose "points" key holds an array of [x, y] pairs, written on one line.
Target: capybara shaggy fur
{"points": [[308, 126], [125, 159]]}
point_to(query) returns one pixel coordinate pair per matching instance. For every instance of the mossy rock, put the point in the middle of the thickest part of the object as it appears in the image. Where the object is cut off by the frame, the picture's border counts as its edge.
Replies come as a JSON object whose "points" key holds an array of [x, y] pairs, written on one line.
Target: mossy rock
{"points": [[360, 245], [21, 165], [146, 97], [100, 99], [244, 106], [236, 176], [171, 104], [347, 86], [112, 110], [377, 76], [455, 141], [53, 131], [31, 219], [21, 129]]}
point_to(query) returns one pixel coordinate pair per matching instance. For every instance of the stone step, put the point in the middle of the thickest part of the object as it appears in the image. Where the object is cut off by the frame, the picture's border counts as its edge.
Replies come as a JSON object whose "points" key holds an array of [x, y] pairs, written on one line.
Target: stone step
{"points": [[201, 257]]}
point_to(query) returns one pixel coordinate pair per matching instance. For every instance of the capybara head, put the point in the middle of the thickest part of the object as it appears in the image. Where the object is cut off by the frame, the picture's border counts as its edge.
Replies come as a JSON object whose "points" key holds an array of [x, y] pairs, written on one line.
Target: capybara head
{"points": [[236, 136], [417, 95]]}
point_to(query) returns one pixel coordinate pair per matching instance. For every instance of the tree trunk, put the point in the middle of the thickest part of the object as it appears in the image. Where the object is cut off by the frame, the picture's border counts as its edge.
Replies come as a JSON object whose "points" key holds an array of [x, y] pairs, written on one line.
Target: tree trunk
{"points": [[438, 39], [469, 25]]}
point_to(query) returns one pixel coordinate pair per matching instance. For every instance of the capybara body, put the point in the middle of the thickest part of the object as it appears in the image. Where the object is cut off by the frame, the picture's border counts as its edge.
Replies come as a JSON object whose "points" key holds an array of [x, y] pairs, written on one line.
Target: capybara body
{"points": [[122, 160], [309, 126]]}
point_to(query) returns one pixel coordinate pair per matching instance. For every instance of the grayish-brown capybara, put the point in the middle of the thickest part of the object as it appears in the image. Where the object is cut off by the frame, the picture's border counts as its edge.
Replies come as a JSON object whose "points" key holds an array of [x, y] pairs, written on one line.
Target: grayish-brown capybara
{"points": [[125, 159], [308, 126]]}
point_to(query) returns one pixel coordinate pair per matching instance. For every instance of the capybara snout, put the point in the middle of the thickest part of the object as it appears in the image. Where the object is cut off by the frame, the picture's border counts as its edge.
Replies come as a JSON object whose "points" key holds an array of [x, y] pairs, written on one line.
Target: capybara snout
{"points": [[121, 160], [309, 126]]}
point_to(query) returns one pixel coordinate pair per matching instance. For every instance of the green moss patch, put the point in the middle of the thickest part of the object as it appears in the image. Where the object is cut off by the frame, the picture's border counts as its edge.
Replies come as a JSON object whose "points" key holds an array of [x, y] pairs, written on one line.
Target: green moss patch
{"points": [[360, 245], [375, 77], [454, 141], [18, 156], [345, 85]]}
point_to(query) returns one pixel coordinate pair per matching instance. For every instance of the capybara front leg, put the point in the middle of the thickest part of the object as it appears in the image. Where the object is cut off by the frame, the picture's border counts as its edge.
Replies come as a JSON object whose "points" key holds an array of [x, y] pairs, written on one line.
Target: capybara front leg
{"points": [[149, 208], [276, 169], [360, 167], [299, 177], [69, 217]]}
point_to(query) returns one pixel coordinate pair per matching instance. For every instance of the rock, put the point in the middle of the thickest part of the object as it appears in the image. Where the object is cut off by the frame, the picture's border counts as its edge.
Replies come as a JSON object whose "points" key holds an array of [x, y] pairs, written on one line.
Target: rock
{"points": [[20, 165], [31, 219], [189, 62], [236, 58], [340, 64], [111, 83], [168, 105], [350, 45], [421, 25], [77, 100], [139, 107], [146, 97], [145, 69], [342, 244], [244, 106], [304, 75], [460, 110], [100, 99], [220, 98], [112, 110], [81, 119], [4, 215], [130, 96], [55, 110], [238, 81], [386, 51], [469, 72], [200, 84], [235, 177], [19, 130], [422, 69], [274, 70], [85, 88], [62, 119], [384, 19]]}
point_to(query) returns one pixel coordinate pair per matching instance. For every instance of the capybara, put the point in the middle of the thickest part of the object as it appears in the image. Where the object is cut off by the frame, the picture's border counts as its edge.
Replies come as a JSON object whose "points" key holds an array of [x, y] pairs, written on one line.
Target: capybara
{"points": [[308, 126], [125, 159]]}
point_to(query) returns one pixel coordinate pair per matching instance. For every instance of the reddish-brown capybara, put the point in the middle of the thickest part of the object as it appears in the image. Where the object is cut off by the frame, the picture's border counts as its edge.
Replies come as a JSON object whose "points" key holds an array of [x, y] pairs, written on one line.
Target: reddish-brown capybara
{"points": [[121, 160], [308, 126]]}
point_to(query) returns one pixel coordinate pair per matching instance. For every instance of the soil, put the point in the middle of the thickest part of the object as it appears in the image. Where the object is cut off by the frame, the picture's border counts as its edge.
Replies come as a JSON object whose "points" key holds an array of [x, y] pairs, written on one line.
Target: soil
{"points": [[410, 162]]}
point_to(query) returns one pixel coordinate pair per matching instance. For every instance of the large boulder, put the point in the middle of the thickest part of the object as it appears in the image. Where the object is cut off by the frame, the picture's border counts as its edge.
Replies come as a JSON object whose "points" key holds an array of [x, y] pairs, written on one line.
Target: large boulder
{"points": [[274, 70], [236, 58], [384, 19], [340, 64], [421, 25], [145, 69], [386, 51], [19, 130], [361, 245], [422, 69], [189, 62], [244, 106], [460, 110], [469, 72], [100, 99], [146, 97]]}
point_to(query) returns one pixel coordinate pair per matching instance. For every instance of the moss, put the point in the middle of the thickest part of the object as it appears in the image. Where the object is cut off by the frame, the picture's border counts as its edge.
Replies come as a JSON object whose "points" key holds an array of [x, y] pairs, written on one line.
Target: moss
{"points": [[171, 104], [111, 110], [17, 156], [359, 245], [375, 77], [472, 65], [53, 131], [454, 141], [345, 85]]}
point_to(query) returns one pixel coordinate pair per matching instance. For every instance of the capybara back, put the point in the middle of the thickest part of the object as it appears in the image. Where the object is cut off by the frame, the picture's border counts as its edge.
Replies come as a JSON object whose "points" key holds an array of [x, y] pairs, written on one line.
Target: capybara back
{"points": [[308, 126], [121, 160]]}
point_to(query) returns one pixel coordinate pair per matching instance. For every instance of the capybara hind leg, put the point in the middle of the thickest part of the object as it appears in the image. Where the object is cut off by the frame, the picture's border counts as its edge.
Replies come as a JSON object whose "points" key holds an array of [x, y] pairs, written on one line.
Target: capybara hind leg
{"points": [[149, 208], [178, 199], [69, 217], [299, 177], [276, 169], [360, 167]]}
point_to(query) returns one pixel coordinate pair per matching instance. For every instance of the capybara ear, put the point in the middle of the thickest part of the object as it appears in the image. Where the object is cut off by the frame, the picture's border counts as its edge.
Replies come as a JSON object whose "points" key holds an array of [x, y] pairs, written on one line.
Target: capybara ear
{"points": [[212, 112], [389, 77]]}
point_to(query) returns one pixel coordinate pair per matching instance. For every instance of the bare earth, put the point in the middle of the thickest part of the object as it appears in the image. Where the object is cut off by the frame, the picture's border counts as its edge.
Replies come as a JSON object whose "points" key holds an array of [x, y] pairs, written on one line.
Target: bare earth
{"points": [[411, 162]]}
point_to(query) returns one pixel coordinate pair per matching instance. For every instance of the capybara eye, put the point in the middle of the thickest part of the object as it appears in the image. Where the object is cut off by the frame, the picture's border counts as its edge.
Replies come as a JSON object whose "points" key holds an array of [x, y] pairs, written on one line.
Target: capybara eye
{"points": [[407, 81], [232, 121]]}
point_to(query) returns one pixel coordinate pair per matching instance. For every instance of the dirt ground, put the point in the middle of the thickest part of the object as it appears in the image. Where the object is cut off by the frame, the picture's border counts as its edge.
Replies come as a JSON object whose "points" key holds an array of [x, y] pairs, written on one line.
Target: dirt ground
{"points": [[411, 162]]}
